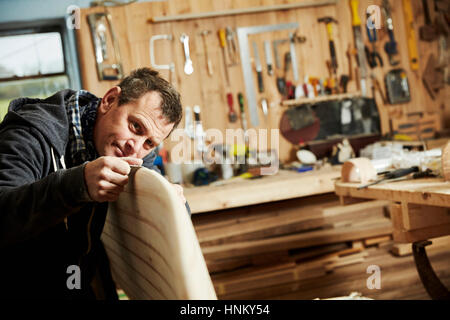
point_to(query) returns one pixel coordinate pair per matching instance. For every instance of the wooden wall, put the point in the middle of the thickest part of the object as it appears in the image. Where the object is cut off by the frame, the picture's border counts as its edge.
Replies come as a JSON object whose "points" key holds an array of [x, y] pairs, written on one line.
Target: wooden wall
{"points": [[134, 31]]}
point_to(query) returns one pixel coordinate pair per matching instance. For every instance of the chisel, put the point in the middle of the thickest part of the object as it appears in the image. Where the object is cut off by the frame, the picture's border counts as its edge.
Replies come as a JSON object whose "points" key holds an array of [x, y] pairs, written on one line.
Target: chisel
{"points": [[268, 56], [392, 175], [258, 68], [243, 119], [293, 56]]}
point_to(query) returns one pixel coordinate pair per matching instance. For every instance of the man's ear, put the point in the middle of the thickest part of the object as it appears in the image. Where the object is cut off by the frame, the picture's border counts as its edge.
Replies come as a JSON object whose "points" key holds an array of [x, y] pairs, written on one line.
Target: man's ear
{"points": [[110, 99]]}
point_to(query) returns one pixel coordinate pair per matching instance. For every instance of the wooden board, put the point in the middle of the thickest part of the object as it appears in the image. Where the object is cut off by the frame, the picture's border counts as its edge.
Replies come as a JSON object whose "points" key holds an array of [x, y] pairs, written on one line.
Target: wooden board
{"points": [[284, 185], [151, 243], [375, 227]]}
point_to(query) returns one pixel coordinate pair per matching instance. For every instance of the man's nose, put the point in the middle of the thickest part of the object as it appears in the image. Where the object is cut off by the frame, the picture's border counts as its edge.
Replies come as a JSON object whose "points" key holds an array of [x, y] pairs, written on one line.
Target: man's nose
{"points": [[132, 147]]}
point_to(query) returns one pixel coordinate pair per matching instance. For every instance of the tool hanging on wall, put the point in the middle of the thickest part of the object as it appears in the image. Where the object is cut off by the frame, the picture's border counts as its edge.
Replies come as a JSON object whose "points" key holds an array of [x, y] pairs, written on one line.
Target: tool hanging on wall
{"points": [[359, 44], [289, 91], [223, 45], [231, 47], [397, 86], [242, 35], [264, 107], [280, 73], [390, 47], [243, 118], [100, 25], [170, 66], [410, 34], [444, 57], [275, 44], [433, 77], [373, 57], [292, 37], [204, 34], [351, 51], [268, 57], [258, 68], [188, 66], [427, 32], [232, 116], [199, 133], [333, 62], [188, 124], [376, 87]]}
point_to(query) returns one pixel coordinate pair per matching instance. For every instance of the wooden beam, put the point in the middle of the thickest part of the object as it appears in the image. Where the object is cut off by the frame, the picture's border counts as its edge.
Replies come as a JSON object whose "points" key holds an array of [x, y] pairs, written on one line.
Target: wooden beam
{"points": [[233, 12], [302, 240]]}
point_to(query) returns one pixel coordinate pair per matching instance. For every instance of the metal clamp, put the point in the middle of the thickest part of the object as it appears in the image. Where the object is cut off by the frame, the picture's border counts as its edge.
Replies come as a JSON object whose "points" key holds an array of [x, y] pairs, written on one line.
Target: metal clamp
{"points": [[100, 24], [170, 66]]}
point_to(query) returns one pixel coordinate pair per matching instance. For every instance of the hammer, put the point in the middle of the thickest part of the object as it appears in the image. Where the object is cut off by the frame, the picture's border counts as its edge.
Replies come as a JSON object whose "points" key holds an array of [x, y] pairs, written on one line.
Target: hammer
{"points": [[328, 22]]}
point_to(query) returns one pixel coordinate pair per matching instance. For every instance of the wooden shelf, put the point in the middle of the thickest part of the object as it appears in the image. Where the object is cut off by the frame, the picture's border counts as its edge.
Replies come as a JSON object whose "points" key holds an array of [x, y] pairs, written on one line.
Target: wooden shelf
{"points": [[289, 103], [281, 186], [204, 15]]}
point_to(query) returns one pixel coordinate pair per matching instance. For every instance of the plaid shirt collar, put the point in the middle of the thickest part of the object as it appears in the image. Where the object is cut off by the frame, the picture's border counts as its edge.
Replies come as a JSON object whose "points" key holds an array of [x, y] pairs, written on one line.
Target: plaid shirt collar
{"points": [[82, 112]]}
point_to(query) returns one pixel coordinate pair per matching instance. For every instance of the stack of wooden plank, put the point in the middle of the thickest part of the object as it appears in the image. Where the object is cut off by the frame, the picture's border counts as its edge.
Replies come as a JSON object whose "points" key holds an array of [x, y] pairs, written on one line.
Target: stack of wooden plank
{"points": [[399, 277], [268, 250]]}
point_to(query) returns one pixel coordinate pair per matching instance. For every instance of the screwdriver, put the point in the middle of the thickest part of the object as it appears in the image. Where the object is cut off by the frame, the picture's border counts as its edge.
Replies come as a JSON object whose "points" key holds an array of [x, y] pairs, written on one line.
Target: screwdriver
{"points": [[232, 116], [393, 175], [243, 119], [223, 44]]}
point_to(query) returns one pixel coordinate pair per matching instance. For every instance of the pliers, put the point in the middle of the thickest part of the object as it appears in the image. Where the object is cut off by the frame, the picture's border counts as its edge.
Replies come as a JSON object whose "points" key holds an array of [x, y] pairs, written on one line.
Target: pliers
{"points": [[373, 56]]}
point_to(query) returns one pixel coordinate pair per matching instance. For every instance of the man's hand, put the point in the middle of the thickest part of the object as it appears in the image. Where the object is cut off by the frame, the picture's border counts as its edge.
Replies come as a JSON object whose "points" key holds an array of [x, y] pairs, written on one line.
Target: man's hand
{"points": [[107, 176], [179, 190]]}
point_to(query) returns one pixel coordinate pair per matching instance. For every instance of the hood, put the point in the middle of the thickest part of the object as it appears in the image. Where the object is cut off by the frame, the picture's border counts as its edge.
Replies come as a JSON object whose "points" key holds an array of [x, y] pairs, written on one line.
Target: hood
{"points": [[45, 115]]}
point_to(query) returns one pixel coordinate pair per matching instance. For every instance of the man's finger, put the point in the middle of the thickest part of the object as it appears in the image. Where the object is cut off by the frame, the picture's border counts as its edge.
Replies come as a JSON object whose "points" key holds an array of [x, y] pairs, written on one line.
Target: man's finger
{"points": [[117, 178], [109, 186], [133, 161], [120, 166]]}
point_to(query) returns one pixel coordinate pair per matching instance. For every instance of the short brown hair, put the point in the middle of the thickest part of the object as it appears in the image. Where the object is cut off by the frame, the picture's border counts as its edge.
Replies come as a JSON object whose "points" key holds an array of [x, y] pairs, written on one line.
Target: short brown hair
{"points": [[143, 80]]}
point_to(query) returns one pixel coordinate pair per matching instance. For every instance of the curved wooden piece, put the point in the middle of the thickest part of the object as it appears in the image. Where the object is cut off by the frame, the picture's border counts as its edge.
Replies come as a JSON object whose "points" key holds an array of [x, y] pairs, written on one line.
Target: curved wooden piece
{"points": [[151, 243]]}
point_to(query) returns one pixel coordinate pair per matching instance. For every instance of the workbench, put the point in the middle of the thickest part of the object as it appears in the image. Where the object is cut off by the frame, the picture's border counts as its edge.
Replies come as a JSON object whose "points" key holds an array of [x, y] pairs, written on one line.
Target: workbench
{"points": [[420, 210], [284, 185]]}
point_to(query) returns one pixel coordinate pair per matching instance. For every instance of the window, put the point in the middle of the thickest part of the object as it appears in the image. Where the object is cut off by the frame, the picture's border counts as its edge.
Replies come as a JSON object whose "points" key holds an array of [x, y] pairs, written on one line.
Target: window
{"points": [[33, 63]]}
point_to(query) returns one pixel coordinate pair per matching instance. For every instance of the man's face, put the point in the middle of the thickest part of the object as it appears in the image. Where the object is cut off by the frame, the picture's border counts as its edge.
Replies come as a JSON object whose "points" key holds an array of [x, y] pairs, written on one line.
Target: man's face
{"points": [[131, 130]]}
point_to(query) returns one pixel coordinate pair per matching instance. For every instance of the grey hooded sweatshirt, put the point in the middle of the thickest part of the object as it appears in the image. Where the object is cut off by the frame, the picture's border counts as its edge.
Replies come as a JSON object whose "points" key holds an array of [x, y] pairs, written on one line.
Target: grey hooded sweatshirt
{"points": [[47, 221]]}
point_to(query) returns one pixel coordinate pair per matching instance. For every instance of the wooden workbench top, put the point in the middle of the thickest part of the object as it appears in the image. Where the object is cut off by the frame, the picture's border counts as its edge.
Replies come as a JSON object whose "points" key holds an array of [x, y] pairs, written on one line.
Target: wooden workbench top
{"points": [[243, 192], [430, 191]]}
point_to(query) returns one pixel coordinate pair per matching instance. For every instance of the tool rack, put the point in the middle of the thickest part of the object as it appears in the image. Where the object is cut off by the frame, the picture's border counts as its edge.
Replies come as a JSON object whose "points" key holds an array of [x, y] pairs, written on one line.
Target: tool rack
{"points": [[135, 24]]}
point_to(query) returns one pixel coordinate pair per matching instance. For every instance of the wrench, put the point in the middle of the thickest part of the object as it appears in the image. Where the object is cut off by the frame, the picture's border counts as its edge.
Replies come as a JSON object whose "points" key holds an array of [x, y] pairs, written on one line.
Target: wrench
{"points": [[188, 68]]}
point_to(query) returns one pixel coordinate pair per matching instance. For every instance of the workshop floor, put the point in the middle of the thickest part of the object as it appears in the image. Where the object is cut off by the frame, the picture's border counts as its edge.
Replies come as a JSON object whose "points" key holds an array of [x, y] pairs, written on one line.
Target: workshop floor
{"points": [[399, 278]]}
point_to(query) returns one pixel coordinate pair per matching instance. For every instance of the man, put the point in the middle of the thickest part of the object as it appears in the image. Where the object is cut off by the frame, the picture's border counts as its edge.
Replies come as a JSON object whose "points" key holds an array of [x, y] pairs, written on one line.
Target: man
{"points": [[61, 160]]}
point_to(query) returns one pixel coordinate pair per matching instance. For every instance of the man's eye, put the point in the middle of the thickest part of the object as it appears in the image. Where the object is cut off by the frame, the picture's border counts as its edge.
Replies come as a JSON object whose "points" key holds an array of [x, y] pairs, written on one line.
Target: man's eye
{"points": [[149, 143], [135, 125]]}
